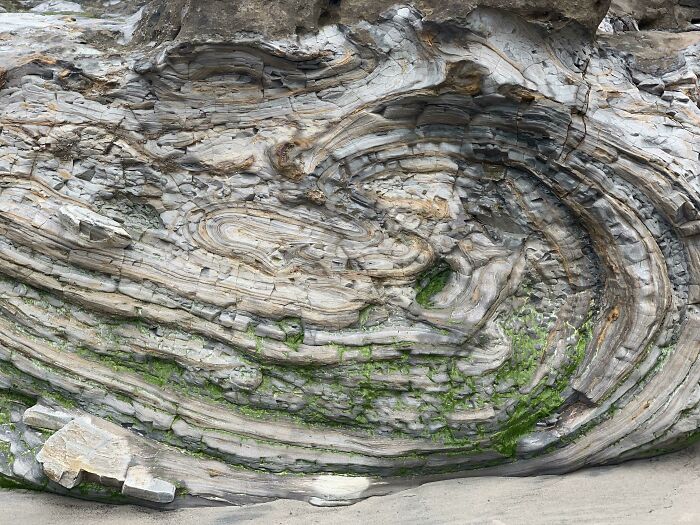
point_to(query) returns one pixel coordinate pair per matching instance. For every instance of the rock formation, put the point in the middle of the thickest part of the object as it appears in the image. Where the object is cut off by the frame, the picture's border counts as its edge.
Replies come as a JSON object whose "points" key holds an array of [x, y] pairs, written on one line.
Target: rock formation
{"points": [[328, 250]]}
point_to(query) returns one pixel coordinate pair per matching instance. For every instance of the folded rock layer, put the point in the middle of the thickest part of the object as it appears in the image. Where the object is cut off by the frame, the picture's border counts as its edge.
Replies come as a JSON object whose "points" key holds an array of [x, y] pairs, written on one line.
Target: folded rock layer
{"points": [[332, 250]]}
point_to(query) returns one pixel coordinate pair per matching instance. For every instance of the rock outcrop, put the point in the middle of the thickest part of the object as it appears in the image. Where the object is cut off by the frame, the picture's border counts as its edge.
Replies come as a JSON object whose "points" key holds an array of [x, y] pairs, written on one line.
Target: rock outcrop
{"points": [[330, 250], [657, 14], [189, 20]]}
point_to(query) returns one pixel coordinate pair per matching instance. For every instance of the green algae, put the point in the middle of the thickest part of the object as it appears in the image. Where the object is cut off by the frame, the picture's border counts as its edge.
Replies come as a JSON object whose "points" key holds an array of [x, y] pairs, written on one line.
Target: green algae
{"points": [[292, 339], [519, 371], [10, 483], [162, 372], [62, 400], [528, 345], [543, 400], [5, 451], [7, 398], [363, 316], [528, 411], [154, 370], [431, 282], [95, 491]]}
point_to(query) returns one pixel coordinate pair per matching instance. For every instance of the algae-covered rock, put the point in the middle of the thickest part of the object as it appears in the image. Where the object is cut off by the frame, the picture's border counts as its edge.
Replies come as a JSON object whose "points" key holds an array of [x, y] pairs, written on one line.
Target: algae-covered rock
{"points": [[331, 250]]}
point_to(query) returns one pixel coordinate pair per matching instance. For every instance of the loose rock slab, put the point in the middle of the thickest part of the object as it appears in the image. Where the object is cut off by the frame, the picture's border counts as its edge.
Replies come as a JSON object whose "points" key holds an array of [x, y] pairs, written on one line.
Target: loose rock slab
{"points": [[84, 446]]}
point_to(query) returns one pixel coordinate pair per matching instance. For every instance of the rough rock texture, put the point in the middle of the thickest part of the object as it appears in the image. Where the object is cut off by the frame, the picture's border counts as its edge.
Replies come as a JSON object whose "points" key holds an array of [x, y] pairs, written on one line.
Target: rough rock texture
{"points": [[657, 14], [221, 19], [244, 265], [646, 492], [85, 446]]}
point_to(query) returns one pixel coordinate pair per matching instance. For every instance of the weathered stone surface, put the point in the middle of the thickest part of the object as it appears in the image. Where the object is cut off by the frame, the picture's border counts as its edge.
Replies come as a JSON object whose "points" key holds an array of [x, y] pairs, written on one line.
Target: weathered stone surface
{"points": [[43, 417], [656, 14], [440, 240], [141, 484], [57, 6], [222, 20], [85, 446]]}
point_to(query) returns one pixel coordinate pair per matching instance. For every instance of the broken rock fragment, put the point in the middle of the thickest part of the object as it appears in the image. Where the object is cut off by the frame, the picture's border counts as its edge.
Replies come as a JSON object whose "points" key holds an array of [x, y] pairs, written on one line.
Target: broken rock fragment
{"points": [[139, 483], [85, 446]]}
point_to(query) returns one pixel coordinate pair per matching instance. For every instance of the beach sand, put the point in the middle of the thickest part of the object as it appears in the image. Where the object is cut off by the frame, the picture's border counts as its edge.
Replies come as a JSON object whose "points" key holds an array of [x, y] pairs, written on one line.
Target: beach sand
{"points": [[664, 490]]}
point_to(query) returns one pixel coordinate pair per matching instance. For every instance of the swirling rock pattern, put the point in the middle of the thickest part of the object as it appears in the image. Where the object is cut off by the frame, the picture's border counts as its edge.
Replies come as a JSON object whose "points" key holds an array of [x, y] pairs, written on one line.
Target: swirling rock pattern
{"points": [[442, 241]]}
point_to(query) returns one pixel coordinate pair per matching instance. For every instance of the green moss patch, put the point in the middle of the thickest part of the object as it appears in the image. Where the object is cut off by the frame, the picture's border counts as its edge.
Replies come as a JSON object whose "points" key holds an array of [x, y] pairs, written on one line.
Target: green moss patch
{"points": [[544, 399], [9, 483], [431, 282], [8, 398], [294, 331]]}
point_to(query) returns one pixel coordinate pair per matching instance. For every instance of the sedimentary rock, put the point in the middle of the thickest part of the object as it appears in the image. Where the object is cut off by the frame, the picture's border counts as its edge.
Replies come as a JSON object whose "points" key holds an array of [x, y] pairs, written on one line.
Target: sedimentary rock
{"points": [[329, 250], [656, 14]]}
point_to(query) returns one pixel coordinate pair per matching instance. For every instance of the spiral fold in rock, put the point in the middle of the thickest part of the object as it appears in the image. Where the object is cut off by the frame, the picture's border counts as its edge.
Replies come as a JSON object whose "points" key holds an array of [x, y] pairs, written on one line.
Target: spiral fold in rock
{"points": [[246, 265]]}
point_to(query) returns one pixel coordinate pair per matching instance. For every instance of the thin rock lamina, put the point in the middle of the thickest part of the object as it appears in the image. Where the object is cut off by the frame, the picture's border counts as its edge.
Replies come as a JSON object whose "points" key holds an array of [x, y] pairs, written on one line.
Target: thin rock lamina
{"points": [[329, 250]]}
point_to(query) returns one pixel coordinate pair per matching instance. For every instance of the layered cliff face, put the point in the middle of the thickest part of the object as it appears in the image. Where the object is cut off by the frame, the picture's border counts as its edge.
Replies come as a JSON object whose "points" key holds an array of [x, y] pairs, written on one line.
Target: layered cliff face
{"points": [[657, 14], [330, 250]]}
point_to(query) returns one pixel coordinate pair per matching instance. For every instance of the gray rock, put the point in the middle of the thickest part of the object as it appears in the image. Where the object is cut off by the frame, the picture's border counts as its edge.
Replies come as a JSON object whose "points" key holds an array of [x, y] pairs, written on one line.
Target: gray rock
{"points": [[43, 417], [57, 6], [658, 14], [301, 249], [85, 446], [653, 86], [139, 483], [185, 19]]}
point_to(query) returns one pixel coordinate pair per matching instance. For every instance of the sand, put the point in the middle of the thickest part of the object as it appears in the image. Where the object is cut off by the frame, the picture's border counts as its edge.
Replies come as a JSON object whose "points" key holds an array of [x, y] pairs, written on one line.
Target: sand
{"points": [[662, 490]]}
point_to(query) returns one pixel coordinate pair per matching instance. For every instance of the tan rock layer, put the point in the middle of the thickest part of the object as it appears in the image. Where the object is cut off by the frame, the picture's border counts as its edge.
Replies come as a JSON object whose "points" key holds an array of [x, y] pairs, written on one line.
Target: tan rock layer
{"points": [[338, 264]]}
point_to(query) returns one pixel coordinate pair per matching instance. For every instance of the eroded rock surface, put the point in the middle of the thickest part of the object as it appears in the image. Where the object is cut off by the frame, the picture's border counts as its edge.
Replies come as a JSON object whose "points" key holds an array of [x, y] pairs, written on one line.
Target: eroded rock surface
{"points": [[219, 19], [332, 250], [657, 14]]}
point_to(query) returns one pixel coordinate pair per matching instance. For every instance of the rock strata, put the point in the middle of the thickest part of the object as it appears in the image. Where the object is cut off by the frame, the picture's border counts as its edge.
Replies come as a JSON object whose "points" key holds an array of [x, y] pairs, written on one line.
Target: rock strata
{"points": [[330, 250], [656, 14], [218, 19]]}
